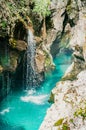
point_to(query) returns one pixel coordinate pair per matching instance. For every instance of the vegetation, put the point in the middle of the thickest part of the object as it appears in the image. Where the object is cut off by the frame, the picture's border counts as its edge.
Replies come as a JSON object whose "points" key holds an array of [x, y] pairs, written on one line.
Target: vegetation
{"points": [[41, 7], [62, 124], [81, 112], [59, 122], [12, 11]]}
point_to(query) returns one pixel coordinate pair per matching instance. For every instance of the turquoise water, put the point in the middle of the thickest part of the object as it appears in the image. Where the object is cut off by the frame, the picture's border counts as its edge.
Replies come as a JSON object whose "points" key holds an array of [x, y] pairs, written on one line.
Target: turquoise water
{"points": [[26, 110]]}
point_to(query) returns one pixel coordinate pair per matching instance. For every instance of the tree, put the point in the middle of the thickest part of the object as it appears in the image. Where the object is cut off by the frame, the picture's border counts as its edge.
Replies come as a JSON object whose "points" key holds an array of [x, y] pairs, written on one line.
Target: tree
{"points": [[41, 7]]}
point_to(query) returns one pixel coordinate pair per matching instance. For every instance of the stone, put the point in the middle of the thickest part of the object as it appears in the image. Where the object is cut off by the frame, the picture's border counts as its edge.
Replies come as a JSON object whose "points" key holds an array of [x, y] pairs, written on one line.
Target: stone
{"points": [[40, 60], [69, 96], [20, 45], [84, 51]]}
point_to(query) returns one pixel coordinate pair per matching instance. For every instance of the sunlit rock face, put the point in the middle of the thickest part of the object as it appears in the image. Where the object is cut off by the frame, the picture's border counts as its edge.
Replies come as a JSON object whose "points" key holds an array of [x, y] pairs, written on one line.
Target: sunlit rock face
{"points": [[69, 99], [69, 95], [40, 60]]}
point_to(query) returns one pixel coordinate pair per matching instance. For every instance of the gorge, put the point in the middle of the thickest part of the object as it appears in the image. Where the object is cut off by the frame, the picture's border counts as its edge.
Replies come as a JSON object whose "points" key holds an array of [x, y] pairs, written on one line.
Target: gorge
{"points": [[43, 65]]}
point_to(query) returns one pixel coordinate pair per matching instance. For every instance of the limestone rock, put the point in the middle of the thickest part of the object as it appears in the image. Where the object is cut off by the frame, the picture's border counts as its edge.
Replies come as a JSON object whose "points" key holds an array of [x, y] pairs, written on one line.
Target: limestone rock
{"points": [[20, 45], [84, 51], [59, 6], [40, 60], [70, 93], [69, 98]]}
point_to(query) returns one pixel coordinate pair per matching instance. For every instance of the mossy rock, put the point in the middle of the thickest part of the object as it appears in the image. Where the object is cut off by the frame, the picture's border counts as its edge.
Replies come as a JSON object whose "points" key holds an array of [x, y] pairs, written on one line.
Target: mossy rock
{"points": [[12, 42], [51, 99], [20, 45], [72, 76], [49, 65]]}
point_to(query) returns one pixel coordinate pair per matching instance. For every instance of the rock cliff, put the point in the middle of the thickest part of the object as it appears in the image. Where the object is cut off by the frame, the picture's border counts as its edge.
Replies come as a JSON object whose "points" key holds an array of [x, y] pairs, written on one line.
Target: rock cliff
{"points": [[68, 111]]}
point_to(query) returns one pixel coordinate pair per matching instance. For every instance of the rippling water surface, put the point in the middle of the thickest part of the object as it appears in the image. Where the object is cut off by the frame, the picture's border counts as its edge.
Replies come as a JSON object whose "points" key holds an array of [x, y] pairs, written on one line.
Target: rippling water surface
{"points": [[26, 110]]}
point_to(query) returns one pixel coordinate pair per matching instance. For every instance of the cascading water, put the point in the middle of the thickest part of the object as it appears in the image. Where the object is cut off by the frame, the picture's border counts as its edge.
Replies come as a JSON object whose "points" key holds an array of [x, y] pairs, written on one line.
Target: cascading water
{"points": [[31, 104], [5, 80], [31, 77]]}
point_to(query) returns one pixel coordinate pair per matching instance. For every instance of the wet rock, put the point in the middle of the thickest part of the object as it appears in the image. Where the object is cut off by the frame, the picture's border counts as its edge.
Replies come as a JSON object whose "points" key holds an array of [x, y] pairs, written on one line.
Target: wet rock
{"points": [[51, 98], [14, 57], [20, 45], [40, 60]]}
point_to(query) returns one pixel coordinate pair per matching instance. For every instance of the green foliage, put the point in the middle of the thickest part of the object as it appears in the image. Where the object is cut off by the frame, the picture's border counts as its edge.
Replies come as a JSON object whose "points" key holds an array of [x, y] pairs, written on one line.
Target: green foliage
{"points": [[81, 112], [59, 122], [12, 11], [62, 125], [71, 120], [51, 99], [65, 127], [42, 7], [12, 42], [4, 24]]}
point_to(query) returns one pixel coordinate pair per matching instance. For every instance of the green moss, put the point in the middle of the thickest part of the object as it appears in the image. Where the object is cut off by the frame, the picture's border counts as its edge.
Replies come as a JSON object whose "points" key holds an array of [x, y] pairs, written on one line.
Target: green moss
{"points": [[4, 24], [65, 127], [81, 112], [69, 8], [12, 42], [72, 76], [5, 61], [51, 99], [48, 61]]}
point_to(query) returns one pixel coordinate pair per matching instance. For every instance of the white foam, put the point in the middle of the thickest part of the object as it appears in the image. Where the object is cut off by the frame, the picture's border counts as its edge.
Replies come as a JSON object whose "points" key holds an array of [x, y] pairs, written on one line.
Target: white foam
{"points": [[31, 92], [40, 99], [5, 111]]}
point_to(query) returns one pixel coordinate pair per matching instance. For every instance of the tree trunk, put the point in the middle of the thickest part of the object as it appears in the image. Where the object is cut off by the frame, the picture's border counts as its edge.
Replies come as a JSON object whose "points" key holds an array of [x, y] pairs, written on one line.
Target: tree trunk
{"points": [[44, 29]]}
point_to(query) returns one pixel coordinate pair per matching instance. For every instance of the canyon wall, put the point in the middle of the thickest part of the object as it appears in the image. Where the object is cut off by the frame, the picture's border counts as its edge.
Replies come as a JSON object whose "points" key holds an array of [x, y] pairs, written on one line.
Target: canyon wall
{"points": [[68, 111]]}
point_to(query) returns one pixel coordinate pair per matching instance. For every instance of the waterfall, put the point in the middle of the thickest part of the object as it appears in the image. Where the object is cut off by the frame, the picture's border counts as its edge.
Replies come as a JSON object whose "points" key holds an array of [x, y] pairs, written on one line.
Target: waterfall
{"points": [[5, 76], [6, 80], [31, 77]]}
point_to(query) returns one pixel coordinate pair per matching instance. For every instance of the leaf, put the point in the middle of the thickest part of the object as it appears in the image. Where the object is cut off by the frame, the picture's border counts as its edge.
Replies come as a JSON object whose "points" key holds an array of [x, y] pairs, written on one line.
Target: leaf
{"points": [[42, 7], [59, 122], [4, 24], [65, 127], [71, 120]]}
